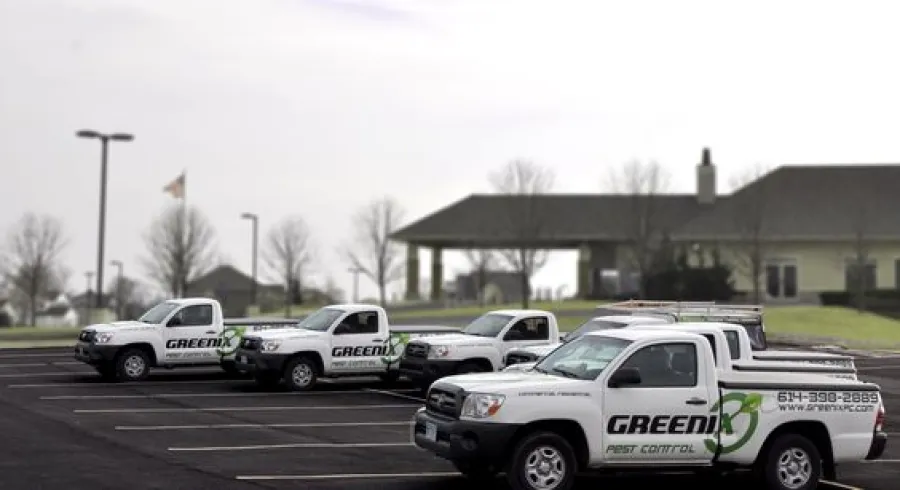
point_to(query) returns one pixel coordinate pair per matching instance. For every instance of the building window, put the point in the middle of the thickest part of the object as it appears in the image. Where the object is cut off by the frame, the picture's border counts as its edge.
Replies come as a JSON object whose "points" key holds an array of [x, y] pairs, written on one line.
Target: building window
{"points": [[781, 278], [858, 275]]}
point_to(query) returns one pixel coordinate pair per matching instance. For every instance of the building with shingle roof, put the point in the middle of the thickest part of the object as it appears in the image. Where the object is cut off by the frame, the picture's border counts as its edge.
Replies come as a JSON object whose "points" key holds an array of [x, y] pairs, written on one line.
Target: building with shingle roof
{"points": [[809, 225]]}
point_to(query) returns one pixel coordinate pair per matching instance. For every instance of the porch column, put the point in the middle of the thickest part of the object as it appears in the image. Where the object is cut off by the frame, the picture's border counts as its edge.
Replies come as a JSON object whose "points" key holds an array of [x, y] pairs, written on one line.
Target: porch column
{"points": [[583, 272], [437, 274], [412, 272]]}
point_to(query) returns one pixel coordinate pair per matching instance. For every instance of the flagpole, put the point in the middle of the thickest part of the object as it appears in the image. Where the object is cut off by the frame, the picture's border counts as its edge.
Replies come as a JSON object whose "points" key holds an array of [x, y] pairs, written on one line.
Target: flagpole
{"points": [[184, 216]]}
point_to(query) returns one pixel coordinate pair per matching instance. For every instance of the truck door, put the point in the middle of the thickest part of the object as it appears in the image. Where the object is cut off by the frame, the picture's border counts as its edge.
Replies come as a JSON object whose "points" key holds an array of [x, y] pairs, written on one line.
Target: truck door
{"points": [[357, 344], [665, 418], [526, 332], [191, 336]]}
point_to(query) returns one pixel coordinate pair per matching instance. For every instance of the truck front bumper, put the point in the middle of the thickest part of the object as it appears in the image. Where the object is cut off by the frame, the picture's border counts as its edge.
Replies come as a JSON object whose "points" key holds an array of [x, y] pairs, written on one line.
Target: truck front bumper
{"points": [[879, 443], [423, 372], [254, 361], [462, 440], [94, 354]]}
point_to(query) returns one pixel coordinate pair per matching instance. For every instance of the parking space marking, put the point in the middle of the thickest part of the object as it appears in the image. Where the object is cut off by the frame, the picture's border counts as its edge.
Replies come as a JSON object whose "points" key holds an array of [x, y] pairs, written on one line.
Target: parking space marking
{"points": [[346, 476], [93, 384], [238, 409], [204, 395], [258, 426], [312, 445], [882, 461], [876, 368], [40, 364], [396, 394], [58, 373], [835, 484], [32, 356]]}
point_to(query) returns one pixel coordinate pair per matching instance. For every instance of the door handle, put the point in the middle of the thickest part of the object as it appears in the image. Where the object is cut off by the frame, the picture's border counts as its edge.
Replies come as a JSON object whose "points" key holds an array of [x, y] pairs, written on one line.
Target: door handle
{"points": [[210, 331], [378, 341], [696, 401]]}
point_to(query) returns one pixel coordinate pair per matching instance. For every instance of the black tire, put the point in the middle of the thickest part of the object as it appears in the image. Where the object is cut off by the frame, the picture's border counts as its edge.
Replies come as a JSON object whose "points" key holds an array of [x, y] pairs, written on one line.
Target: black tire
{"points": [[542, 445], [476, 471], [132, 365], [787, 458], [300, 374]]}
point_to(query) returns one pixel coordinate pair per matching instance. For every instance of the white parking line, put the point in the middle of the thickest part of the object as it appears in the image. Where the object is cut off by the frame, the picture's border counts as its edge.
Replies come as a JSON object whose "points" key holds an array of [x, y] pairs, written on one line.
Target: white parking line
{"points": [[882, 461], [204, 395], [259, 426], [291, 446], [138, 383], [875, 368], [345, 476], [30, 356], [39, 364], [396, 394], [239, 409], [58, 373], [835, 484]]}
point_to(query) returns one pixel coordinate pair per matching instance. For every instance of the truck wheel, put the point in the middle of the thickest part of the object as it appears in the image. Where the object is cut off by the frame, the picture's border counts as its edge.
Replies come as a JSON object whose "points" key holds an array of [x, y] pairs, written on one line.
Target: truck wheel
{"points": [[793, 462], [475, 470], [542, 461], [300, 374], [132, 365]]}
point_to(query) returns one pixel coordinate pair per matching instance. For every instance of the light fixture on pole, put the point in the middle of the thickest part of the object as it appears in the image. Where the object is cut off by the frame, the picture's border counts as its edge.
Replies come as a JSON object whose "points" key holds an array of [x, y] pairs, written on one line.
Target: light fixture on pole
{"points": [[104, 144]]}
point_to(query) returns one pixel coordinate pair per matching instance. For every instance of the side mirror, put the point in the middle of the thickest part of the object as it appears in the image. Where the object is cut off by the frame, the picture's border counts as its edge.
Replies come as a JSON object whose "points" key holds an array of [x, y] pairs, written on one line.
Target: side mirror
{"points": [[341, 329], [514, 335], [625, 376], [173, 322]]}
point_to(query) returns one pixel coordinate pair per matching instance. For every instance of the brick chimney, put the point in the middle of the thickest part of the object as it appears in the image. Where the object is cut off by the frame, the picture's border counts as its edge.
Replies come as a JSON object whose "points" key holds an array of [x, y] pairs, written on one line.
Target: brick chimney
{"points": [[706, 179]]}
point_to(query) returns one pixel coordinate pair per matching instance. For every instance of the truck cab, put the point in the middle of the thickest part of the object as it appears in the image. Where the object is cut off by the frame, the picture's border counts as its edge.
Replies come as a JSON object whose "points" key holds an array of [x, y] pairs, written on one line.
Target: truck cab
{"points": [[646, 400], [480, 346], [335, 341]]}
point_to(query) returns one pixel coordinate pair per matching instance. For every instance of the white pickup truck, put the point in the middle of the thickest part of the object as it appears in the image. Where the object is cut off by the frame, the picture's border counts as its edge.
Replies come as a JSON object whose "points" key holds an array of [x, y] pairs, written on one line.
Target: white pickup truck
{"points": [[335, 341], [648, 400], [174, 333], [479, 347]]}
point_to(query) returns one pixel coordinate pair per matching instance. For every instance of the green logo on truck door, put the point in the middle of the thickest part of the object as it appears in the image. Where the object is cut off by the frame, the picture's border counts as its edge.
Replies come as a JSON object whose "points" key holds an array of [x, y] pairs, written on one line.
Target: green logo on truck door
{"points": [[739, 410], [231, 339], [393, 347]]}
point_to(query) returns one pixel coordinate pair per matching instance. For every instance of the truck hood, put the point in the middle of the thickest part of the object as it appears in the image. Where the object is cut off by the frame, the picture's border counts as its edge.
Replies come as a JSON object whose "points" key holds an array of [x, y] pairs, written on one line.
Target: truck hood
{"points": [[456, 339], [504, 382], [538, 350], [285, 333], [126, 326]]}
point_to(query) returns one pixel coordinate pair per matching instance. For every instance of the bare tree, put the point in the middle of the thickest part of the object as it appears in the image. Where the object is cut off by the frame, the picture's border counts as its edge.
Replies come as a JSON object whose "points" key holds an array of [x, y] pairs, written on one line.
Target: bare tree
{"points": [[35, 244], [288, 253], [180, 245], [481, 261], [375, 255], [525, 181], [750, 212], [644, 182]]}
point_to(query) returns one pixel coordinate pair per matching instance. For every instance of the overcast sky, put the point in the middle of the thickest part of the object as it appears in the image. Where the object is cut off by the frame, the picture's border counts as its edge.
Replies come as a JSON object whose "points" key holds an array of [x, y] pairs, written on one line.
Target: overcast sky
{"points": [[317, 106]]}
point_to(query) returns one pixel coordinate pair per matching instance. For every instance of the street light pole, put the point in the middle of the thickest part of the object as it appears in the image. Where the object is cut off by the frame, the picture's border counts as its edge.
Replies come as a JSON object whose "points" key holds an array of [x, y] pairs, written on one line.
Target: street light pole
{"points": [[87, 297], [254, 219], [104, 144], [355, 271], [118, 264]]}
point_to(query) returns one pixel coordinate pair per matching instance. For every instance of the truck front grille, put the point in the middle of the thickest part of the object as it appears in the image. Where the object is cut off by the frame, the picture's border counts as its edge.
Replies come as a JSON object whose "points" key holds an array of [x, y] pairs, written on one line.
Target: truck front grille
{"points": [[416, 350], [519, 358], [87, 336], [250, 343], [444, 401]]}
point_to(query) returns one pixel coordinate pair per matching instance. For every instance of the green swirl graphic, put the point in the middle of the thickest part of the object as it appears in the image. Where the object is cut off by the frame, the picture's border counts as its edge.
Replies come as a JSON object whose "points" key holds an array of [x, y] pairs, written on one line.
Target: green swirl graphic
{"points": [[231, 340], [750, 403], [394, 348]]}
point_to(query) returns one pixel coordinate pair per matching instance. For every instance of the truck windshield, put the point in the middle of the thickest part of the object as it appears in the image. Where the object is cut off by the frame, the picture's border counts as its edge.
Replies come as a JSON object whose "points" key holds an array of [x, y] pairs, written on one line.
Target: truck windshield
{"points": [[583, 358], [487, 325], [158, 313], [591, 326], [320, 320]]}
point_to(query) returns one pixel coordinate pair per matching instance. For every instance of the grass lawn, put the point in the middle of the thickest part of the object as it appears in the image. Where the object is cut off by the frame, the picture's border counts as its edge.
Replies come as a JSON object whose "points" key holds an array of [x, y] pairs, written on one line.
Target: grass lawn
{"points": [[832, 322]]}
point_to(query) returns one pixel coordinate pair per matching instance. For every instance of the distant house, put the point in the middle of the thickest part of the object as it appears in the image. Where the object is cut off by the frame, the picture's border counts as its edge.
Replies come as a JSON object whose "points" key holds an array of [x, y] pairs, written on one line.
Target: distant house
{"points": [[231, 287], [8, 315], [500, 287], [58, 312], [86, 305]]}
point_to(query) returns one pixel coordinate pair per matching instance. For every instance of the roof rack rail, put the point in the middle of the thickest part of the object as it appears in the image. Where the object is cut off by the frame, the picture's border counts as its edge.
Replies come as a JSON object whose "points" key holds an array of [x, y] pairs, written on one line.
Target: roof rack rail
{"points": [[636, 303]]}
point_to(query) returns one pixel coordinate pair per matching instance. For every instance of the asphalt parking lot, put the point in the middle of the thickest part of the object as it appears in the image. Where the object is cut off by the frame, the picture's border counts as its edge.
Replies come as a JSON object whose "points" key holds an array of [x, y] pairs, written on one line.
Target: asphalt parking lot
{"points": [[195, 428]]}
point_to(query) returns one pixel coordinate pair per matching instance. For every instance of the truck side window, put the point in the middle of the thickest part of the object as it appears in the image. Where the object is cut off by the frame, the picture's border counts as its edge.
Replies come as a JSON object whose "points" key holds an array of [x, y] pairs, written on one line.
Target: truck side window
{"points": [[665, 365], [362, 322], [195, 316], [534, 328], [712, 345]]}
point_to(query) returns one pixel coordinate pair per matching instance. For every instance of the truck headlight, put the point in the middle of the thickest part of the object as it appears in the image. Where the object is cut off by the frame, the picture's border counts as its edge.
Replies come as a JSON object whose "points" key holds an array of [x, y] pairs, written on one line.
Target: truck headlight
{"points": [[481, 405], [270, 345], [103, 338], [437, 351]]}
